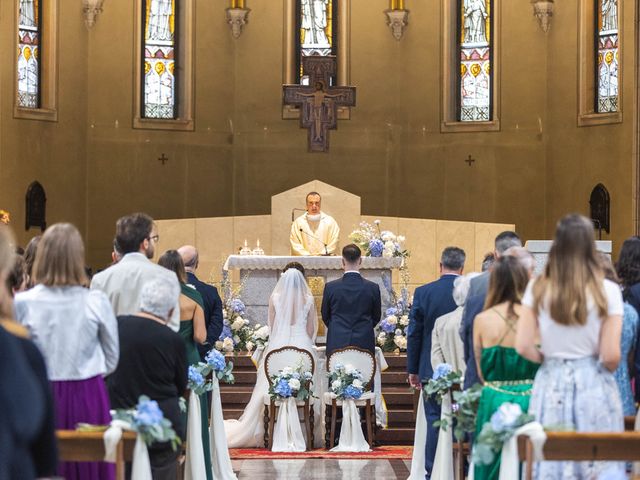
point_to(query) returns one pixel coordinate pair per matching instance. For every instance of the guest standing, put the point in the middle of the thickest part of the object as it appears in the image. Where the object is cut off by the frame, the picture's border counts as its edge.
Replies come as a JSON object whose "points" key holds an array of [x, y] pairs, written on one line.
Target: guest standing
{"points": [[193, 333], [153, 362], [577, 315], [628, 269], [77, 332], [430, 301], [210, 297], [136, 239], [506, 376], [351, 306]]}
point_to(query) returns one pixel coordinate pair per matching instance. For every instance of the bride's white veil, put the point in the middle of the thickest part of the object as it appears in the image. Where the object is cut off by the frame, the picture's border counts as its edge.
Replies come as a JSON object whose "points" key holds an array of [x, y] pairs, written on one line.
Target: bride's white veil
{"points": [[288, 306]]}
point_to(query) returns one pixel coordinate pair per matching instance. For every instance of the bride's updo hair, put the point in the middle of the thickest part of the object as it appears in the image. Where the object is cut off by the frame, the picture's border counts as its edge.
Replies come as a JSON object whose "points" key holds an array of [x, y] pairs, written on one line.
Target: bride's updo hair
{"points": [[296, 265]]}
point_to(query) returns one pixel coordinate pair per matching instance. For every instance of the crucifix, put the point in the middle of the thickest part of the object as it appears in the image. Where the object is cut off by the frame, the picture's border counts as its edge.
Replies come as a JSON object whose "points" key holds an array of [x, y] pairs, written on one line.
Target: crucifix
{"points": [[163, 159], [319, 101], [470, 160]]}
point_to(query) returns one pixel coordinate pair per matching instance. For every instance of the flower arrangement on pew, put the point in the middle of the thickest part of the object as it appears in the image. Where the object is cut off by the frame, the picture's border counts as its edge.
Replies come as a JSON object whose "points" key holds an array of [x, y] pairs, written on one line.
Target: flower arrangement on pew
{"points": [[504, 422], [345, 381], [149, 422], [465, 411], [197, 379], [375, 242], [392, 330], [216, 363], [442, 380], [291, 382]]}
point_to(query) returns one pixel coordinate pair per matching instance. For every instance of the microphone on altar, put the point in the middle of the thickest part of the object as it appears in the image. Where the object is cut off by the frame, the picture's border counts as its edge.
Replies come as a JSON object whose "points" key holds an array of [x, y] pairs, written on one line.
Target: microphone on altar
{"points": [[326, 252], [293, 212]]}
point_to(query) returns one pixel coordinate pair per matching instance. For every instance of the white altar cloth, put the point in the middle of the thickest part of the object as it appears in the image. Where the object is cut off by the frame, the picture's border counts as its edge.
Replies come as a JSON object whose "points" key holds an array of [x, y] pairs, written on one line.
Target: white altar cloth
{"points": [[272, 262]]}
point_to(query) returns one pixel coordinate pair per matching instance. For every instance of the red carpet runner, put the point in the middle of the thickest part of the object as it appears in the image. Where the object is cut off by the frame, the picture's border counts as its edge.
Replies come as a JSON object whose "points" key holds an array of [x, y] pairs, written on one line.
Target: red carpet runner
{"points": [[379, 453]]}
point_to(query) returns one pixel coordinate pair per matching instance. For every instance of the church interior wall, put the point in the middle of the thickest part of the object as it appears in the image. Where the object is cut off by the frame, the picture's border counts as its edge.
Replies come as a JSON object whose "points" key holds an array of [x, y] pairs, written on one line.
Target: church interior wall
{"points": [[53, 153], [578, 158], [391, 152]]}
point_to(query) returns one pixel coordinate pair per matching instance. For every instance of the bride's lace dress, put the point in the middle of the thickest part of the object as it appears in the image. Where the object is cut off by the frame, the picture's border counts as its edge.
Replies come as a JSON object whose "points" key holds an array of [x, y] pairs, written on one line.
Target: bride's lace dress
{"points": [[292, 321]]}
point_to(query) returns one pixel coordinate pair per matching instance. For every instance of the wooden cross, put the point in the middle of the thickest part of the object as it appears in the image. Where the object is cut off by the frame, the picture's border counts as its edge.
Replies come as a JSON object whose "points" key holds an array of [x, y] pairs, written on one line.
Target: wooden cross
{"points": [[470, 160], [319, 101], [163, 159]]}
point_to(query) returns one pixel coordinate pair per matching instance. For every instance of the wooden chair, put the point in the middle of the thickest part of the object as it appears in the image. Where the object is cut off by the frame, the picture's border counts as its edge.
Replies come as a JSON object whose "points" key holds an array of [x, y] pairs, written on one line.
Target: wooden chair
{"points": [[274, 362], [365, 362], [75, 446], [582, 447]]}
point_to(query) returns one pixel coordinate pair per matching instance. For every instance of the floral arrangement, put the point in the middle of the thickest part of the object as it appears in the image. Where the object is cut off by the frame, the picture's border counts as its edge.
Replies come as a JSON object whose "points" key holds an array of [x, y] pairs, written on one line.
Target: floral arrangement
{"points": [[345, 381], [392, 330], [465, 410], [217, 364], [260, 336], [149, 422], [442, 380], [197, 379], [506, 420], [375, 242], [290, 382], [5, 217]]}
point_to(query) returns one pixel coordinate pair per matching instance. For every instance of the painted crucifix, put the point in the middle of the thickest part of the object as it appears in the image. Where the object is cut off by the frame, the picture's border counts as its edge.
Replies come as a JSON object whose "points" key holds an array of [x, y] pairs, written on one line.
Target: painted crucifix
{"points": [[319, 101]]}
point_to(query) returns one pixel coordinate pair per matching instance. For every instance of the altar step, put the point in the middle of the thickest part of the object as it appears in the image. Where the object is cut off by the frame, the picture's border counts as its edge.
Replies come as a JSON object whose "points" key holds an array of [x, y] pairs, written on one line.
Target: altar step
{"points": [[398, 396]]}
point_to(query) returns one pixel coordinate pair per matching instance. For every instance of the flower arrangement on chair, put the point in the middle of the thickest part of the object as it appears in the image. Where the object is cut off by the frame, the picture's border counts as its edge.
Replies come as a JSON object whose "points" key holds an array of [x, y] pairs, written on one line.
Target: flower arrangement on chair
{"points": [[345, 381], [291, 382]]}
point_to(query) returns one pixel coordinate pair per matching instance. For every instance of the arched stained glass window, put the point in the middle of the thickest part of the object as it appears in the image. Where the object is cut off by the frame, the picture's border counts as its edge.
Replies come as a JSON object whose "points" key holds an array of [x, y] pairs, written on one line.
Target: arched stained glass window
{"points": [[29, 54], [316, 31], [607, 53], [475, 53], [159, 58]]}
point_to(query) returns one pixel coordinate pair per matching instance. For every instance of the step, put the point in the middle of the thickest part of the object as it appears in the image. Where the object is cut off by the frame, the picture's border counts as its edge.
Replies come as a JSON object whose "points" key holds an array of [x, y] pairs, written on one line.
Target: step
{"points": [[396, 360], [240, 360], [245, 378], [399, 417], [395, 436], [394, 379], [234, 396], [396, 396]]}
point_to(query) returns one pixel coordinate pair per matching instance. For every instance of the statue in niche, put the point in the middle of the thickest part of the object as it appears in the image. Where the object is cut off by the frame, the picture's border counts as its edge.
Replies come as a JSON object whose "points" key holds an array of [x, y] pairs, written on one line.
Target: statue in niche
{"points": [[314, 22], [27, 13], [160, 12], [609, 14], [36, 201], [600, 204], [475, 16]]}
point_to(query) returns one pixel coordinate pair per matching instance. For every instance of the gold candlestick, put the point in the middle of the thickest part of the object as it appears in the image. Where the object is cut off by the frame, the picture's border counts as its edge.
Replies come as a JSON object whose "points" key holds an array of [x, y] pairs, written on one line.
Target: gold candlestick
{"points": [[237, 3]]}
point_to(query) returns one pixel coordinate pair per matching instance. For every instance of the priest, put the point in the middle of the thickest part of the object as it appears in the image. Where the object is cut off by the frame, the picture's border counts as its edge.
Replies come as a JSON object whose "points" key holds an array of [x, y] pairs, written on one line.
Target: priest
{"points": [[315, 232]]}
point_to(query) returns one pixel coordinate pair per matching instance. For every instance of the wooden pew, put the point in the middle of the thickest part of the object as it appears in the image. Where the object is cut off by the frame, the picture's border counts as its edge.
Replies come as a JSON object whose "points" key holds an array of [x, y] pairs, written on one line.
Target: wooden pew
{"points": [[75, 446], [584, 447]]}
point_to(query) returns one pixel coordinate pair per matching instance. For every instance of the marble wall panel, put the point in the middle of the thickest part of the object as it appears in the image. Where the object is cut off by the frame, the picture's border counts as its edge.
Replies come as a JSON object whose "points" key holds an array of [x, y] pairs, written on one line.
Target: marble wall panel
{"points": [[485, 242], [456, 234]]}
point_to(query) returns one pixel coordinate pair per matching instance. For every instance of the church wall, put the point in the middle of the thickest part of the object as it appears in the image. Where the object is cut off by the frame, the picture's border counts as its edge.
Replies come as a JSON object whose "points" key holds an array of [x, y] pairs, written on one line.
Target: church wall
{"points": [[578, 158], [391, 152], [54, 153]]}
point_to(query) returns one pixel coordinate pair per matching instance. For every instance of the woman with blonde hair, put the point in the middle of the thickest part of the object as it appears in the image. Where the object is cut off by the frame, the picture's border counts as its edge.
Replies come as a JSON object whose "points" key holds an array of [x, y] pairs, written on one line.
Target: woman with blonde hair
{"points": [[77, 333], [577, 315]]}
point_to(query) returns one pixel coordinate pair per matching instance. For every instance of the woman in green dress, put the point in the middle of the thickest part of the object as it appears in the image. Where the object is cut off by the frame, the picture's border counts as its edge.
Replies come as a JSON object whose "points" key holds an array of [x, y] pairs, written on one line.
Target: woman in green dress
{"points": [[506, 376], [192, 330]]}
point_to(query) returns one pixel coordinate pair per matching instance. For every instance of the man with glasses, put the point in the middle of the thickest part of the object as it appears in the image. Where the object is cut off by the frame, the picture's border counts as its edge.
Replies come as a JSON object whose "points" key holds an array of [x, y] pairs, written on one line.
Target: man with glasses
{"points": [[136, 239]]}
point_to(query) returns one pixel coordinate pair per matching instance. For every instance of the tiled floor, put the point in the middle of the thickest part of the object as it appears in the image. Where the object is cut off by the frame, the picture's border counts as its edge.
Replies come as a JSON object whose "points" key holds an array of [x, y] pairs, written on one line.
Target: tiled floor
{"points": [[320, 469]]}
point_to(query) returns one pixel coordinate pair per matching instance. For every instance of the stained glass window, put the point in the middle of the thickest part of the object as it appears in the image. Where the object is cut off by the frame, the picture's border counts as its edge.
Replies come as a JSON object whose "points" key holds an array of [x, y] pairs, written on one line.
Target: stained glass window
{"points": [[475, 45], [316, 32], [159, 49], [29, 41], [607, 50]]}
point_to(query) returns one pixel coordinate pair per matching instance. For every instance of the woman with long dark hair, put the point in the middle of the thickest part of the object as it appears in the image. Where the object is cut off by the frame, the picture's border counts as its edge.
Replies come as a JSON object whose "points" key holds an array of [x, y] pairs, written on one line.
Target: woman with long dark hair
{"points": [[577, 315], [506, 376]]}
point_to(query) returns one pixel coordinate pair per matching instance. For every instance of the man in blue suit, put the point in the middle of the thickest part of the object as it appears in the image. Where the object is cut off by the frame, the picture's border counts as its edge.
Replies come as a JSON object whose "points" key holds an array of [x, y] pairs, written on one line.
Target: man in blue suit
{"points": [[430, 302], [351, 306], [210, 296]]}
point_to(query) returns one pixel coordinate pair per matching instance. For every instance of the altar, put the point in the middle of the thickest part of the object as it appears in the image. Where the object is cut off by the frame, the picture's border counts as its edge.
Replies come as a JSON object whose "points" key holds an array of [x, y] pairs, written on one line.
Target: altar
{"points": [[260, 273]]}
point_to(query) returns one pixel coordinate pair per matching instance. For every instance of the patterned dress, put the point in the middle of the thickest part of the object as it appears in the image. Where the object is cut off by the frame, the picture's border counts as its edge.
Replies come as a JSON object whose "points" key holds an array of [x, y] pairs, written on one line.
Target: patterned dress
{"points": [[627, 343]]}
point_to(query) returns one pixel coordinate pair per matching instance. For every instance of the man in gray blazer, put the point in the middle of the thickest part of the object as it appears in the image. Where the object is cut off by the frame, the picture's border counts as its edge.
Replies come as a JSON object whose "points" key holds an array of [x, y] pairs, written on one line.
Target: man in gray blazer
{"points": [[136, 237]]}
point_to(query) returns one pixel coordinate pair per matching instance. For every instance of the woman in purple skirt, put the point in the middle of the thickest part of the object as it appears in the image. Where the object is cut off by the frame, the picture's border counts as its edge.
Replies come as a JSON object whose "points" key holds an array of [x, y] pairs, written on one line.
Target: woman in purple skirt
{"points": [[77, 333]]}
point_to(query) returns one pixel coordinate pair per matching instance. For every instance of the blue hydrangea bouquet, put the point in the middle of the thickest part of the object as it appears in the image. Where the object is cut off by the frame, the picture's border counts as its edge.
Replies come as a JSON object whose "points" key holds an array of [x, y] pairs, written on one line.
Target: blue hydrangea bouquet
{"points": [[442, 380], [504, 422], [375, 242], [392, 330], [149, 422], [291, 382], [345, 381], [217, 363]]}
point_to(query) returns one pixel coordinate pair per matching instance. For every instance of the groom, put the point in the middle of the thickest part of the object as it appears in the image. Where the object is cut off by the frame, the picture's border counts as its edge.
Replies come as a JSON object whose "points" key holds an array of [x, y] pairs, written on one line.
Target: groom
{"points": [[351, 306]]}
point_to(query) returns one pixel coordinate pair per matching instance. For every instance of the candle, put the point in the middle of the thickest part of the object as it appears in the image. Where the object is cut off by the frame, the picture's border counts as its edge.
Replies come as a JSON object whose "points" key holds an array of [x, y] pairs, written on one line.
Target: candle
{"points": [[245, 243], [258, 243]]}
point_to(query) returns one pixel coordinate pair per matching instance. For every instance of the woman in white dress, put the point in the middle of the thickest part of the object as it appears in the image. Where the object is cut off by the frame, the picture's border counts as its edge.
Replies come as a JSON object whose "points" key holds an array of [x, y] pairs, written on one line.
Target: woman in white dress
{"points": [[292, 321]]}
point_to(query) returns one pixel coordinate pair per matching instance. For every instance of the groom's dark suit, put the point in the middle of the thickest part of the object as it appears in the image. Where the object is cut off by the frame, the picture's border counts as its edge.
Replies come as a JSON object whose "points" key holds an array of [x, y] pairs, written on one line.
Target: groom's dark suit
{"points": [[350, 310]]}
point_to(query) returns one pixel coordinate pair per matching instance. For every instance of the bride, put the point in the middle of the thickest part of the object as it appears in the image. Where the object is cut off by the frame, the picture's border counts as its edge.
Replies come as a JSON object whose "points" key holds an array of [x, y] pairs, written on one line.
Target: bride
{"points": [[292, 321]]}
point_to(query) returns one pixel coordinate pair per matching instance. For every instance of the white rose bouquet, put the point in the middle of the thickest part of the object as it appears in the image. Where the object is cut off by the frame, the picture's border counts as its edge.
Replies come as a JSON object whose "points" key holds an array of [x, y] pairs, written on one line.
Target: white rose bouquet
{"points": [[291, 382]]}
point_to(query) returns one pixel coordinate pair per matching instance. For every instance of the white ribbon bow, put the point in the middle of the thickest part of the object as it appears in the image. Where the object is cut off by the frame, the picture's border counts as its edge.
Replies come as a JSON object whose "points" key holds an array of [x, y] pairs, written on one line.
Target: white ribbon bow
{"points": [[351, 436], [195, 468], [141, 466], [509, 462], [220, 460], [287, 436]]}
